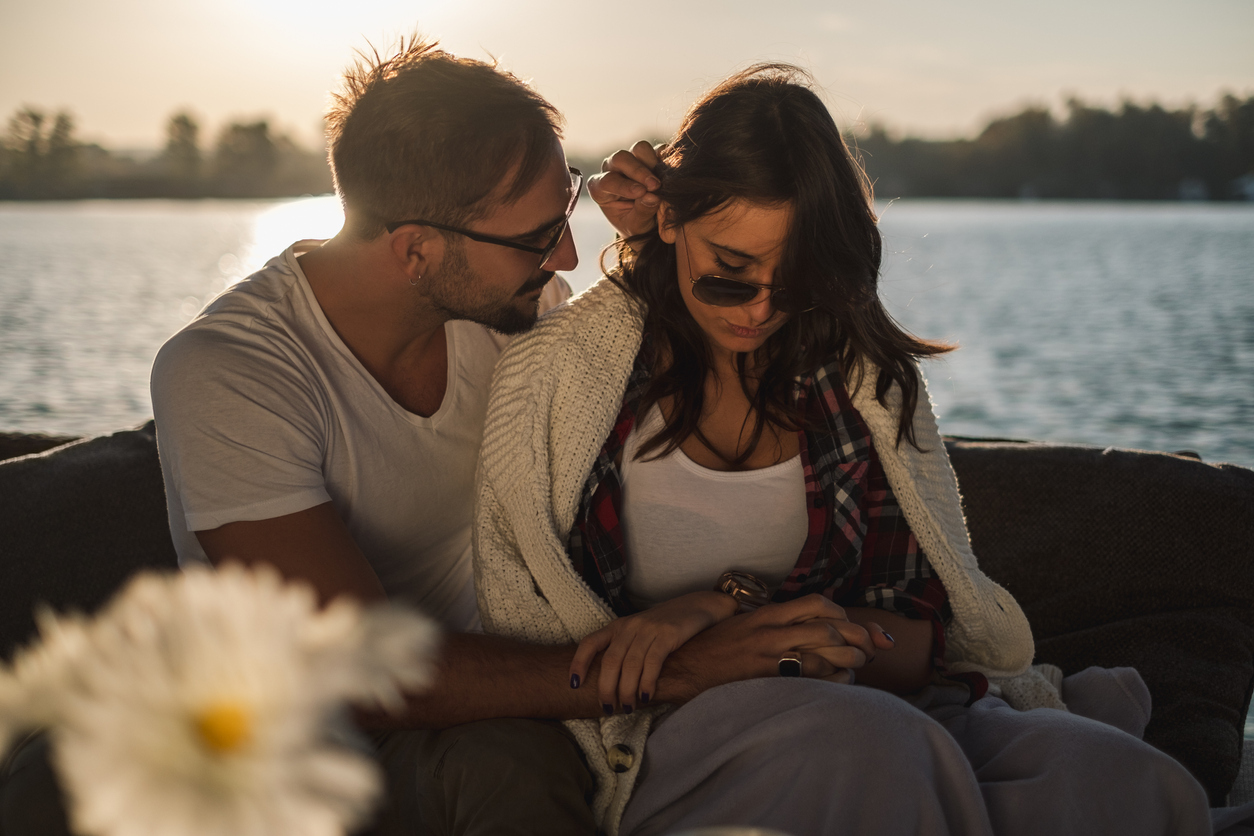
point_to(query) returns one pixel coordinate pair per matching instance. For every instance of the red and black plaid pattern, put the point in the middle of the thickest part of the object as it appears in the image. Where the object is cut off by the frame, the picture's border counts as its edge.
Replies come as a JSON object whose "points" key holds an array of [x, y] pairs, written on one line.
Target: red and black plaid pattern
{"points": [[859, 552]]}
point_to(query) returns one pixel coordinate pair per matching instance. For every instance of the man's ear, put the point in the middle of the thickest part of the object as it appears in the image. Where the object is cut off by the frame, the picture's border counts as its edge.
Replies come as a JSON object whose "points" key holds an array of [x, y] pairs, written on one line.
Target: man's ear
{"points": [[418, 250], [667, 229]]}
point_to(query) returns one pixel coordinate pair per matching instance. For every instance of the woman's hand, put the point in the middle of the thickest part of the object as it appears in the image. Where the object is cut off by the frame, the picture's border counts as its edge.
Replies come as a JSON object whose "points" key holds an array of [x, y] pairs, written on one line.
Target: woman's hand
{"points": [[863, 644], [624, 189], [635, 646]]}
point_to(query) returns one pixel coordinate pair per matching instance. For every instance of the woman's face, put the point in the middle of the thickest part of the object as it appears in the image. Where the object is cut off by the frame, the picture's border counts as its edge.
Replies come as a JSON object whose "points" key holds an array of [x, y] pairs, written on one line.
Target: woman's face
{"points": [[741, 240]]}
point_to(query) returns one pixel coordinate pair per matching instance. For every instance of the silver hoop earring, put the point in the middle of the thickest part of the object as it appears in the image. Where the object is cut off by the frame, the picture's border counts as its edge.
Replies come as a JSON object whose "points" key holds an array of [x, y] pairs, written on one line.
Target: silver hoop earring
{"points": [[414, 283]]}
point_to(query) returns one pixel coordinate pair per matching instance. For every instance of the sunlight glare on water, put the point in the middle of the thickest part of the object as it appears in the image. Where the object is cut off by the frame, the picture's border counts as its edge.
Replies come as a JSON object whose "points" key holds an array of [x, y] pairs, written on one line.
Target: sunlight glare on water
{"points": [[277, 228]]}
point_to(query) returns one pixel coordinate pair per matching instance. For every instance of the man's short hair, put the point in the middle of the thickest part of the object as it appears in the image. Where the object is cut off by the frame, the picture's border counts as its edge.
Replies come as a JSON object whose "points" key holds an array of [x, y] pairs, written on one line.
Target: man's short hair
{"points": [[425, 134]]}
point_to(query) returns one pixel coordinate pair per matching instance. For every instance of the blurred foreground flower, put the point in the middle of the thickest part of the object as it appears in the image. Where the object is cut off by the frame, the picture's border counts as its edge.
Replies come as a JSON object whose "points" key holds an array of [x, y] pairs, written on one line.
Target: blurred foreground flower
{"points": [[210, 702]]}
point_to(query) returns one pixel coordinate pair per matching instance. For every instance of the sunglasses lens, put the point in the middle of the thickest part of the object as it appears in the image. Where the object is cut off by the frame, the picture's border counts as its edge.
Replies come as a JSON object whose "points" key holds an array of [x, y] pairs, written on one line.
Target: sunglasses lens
{"points": [[723, 293]]}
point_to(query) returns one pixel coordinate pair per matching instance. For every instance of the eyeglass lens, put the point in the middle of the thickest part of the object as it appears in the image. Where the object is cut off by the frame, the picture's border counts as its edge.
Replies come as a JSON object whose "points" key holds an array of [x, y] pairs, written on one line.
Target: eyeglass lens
{"points": [[576, 186]]}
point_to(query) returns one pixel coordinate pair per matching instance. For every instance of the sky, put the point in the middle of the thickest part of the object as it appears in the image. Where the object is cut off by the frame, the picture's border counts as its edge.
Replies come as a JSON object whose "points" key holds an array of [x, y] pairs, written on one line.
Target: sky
{"points": [[619, 71]]}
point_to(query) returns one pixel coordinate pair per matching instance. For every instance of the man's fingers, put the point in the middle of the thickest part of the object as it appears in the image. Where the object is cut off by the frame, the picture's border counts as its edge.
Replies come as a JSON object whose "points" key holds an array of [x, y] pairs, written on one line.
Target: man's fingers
{"points": [[835, 657], [799, 610], [857, 636]]}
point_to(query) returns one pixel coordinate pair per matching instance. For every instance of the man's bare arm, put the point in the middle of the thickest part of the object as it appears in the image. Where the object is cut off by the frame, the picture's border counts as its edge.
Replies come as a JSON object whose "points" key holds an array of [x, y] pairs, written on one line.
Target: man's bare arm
{"points": [[312, 545], [482, 677], [490, 676]]}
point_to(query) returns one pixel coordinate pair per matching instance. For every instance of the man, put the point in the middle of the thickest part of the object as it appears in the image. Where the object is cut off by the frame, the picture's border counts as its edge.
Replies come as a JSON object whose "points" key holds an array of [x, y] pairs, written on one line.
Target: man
{"points": [[324, 415]]}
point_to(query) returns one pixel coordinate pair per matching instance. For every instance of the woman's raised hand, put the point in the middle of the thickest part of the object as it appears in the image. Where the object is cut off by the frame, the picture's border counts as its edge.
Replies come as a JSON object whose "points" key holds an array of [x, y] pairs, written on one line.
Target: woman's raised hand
{"points": [[635, 646], [625, 189]]}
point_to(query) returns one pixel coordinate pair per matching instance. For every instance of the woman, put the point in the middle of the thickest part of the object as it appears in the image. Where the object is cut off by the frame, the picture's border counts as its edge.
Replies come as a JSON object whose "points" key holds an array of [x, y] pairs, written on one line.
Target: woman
{"points": [[734, 397]]}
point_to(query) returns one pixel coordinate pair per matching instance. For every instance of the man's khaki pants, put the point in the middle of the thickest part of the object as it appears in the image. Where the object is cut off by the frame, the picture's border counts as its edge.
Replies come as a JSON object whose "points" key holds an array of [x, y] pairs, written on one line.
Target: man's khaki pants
{"points": [[517, 777]]}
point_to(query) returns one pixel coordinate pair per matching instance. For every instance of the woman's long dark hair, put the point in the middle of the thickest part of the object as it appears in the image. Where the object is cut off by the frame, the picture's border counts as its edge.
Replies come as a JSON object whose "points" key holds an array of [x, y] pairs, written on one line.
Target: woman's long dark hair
{"points": [[763, 136]]}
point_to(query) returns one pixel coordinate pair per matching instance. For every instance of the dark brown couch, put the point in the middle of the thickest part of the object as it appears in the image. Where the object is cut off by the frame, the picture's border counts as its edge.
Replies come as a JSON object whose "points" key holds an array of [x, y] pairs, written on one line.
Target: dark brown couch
{"points": [[1118, 557]]}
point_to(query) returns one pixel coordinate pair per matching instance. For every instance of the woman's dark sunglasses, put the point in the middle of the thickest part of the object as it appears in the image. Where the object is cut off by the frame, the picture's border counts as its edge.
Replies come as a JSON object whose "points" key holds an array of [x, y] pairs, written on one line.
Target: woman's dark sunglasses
{"points": [[576, 186], [722, 292]]}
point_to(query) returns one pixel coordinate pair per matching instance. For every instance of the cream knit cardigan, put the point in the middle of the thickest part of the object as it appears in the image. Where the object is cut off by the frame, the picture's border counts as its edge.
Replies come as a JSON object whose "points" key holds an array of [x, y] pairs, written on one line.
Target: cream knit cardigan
{"points": [[554, 399]]}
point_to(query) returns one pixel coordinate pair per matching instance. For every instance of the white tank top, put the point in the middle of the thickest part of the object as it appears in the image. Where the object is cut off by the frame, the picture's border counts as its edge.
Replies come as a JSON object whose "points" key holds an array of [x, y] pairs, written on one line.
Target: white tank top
{"points": [[684, 524]]}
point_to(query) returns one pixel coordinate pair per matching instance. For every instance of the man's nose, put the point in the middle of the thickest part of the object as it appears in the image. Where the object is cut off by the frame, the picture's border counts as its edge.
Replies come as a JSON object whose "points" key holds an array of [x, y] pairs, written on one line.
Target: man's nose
{"points": [[564, 258]]}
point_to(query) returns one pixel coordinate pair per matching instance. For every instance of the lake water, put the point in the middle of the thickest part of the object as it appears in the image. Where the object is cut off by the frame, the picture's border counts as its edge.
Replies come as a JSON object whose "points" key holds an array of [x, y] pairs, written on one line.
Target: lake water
{"points": [[1108, 324]]}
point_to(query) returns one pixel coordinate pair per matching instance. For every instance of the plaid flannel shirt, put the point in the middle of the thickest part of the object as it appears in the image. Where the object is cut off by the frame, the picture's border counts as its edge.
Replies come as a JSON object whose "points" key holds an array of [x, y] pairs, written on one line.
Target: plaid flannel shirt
{"points": [[859, 551]]}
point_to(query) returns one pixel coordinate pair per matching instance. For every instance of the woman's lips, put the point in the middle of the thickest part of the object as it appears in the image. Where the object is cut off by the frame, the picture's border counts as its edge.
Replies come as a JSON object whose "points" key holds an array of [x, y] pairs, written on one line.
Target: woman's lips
{"points": [[747, 333]]}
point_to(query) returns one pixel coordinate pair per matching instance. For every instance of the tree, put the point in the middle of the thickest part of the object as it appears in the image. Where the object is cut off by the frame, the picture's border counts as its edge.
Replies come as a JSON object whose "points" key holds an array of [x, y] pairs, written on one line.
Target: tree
{"points": [[245, 160], [40, 153], [1228, 134], [182, 149]]}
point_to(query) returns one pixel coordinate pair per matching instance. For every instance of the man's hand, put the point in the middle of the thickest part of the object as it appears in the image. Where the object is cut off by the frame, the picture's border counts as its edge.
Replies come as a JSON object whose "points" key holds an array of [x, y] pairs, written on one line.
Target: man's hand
{"points": [[625, 189], [750, 645], [635, 646]]}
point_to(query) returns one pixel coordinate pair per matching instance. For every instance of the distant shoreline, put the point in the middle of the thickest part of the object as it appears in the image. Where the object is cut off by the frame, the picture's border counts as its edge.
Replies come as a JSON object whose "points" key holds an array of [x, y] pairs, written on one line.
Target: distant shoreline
{"points": [[1134, 153]]}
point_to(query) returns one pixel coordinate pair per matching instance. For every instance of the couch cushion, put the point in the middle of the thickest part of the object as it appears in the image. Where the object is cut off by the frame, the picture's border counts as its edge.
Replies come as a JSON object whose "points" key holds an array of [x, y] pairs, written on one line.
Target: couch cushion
{"points": [[1122, 557], [78, 520], [13, 445]]}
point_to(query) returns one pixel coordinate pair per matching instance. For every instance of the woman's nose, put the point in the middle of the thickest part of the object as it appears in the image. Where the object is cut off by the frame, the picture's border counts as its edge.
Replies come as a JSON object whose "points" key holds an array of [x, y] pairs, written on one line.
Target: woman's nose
{"points": [[760, 309]]}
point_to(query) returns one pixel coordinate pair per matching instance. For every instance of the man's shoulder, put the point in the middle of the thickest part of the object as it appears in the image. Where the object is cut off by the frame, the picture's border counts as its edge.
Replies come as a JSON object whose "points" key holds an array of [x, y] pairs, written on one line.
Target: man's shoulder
{"points": [[259, 315]]}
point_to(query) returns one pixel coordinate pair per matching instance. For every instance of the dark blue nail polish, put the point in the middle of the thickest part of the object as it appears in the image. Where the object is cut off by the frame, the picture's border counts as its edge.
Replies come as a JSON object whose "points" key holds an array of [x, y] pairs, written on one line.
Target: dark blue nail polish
{"points": [[574, 680], [627, 709], [608, 709], [888, 636], [644, 699]]}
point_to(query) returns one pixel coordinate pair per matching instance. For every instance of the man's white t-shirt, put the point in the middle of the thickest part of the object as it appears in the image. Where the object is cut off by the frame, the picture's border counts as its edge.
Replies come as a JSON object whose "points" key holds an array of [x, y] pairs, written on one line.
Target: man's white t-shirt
{"points": [[262, 411]]}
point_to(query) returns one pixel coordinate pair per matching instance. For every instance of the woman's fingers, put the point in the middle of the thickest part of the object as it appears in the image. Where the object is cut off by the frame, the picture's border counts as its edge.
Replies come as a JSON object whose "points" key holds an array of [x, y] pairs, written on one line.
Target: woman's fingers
{"points": [[646, 153], [613, 187], [633, 666], [652, 670], [856, 635], [841, 677], [835, 657], [880, 637], [592, 644], [842, 643], [636, 164], [624, 189]]}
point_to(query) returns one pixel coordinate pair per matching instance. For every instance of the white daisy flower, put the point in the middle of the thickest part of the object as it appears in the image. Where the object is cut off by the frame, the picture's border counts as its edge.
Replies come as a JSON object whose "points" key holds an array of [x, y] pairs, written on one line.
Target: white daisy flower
{"points": [[41, 674], [210, 702]]}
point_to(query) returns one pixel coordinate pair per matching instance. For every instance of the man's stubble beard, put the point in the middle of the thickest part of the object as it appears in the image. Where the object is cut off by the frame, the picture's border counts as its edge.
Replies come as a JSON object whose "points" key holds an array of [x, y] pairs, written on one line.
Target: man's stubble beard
{"points": [[458, 293]]}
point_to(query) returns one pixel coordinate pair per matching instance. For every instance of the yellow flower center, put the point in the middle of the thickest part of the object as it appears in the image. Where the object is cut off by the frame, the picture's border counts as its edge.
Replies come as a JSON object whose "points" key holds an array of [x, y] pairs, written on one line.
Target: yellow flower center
{"points": [[224, 726]]}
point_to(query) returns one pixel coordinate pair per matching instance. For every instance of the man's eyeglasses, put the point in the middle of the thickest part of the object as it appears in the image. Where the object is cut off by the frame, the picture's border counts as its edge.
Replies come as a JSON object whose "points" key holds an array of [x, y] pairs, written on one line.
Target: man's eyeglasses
{"points": [[545, 252], [722, 292]]}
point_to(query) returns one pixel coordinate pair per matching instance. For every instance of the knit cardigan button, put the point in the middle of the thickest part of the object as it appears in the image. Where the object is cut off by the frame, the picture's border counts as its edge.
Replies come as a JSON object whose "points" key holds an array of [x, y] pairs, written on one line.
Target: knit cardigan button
{"points": [[621, 757]]}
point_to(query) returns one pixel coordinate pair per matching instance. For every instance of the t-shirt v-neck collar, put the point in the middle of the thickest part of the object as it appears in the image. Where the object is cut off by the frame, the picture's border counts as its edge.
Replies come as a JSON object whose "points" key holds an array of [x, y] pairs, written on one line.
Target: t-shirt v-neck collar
{"points": [[450, 341]]}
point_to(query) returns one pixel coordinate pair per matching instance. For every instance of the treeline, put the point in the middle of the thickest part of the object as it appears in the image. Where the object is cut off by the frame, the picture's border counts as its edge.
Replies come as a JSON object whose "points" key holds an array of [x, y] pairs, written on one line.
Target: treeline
{"points": [[1133, 153], [41, 159]]}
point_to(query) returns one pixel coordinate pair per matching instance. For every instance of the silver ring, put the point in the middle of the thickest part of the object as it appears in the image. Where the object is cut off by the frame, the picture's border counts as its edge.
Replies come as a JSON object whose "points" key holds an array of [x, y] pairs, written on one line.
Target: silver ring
{"points": [[789, 664]]}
